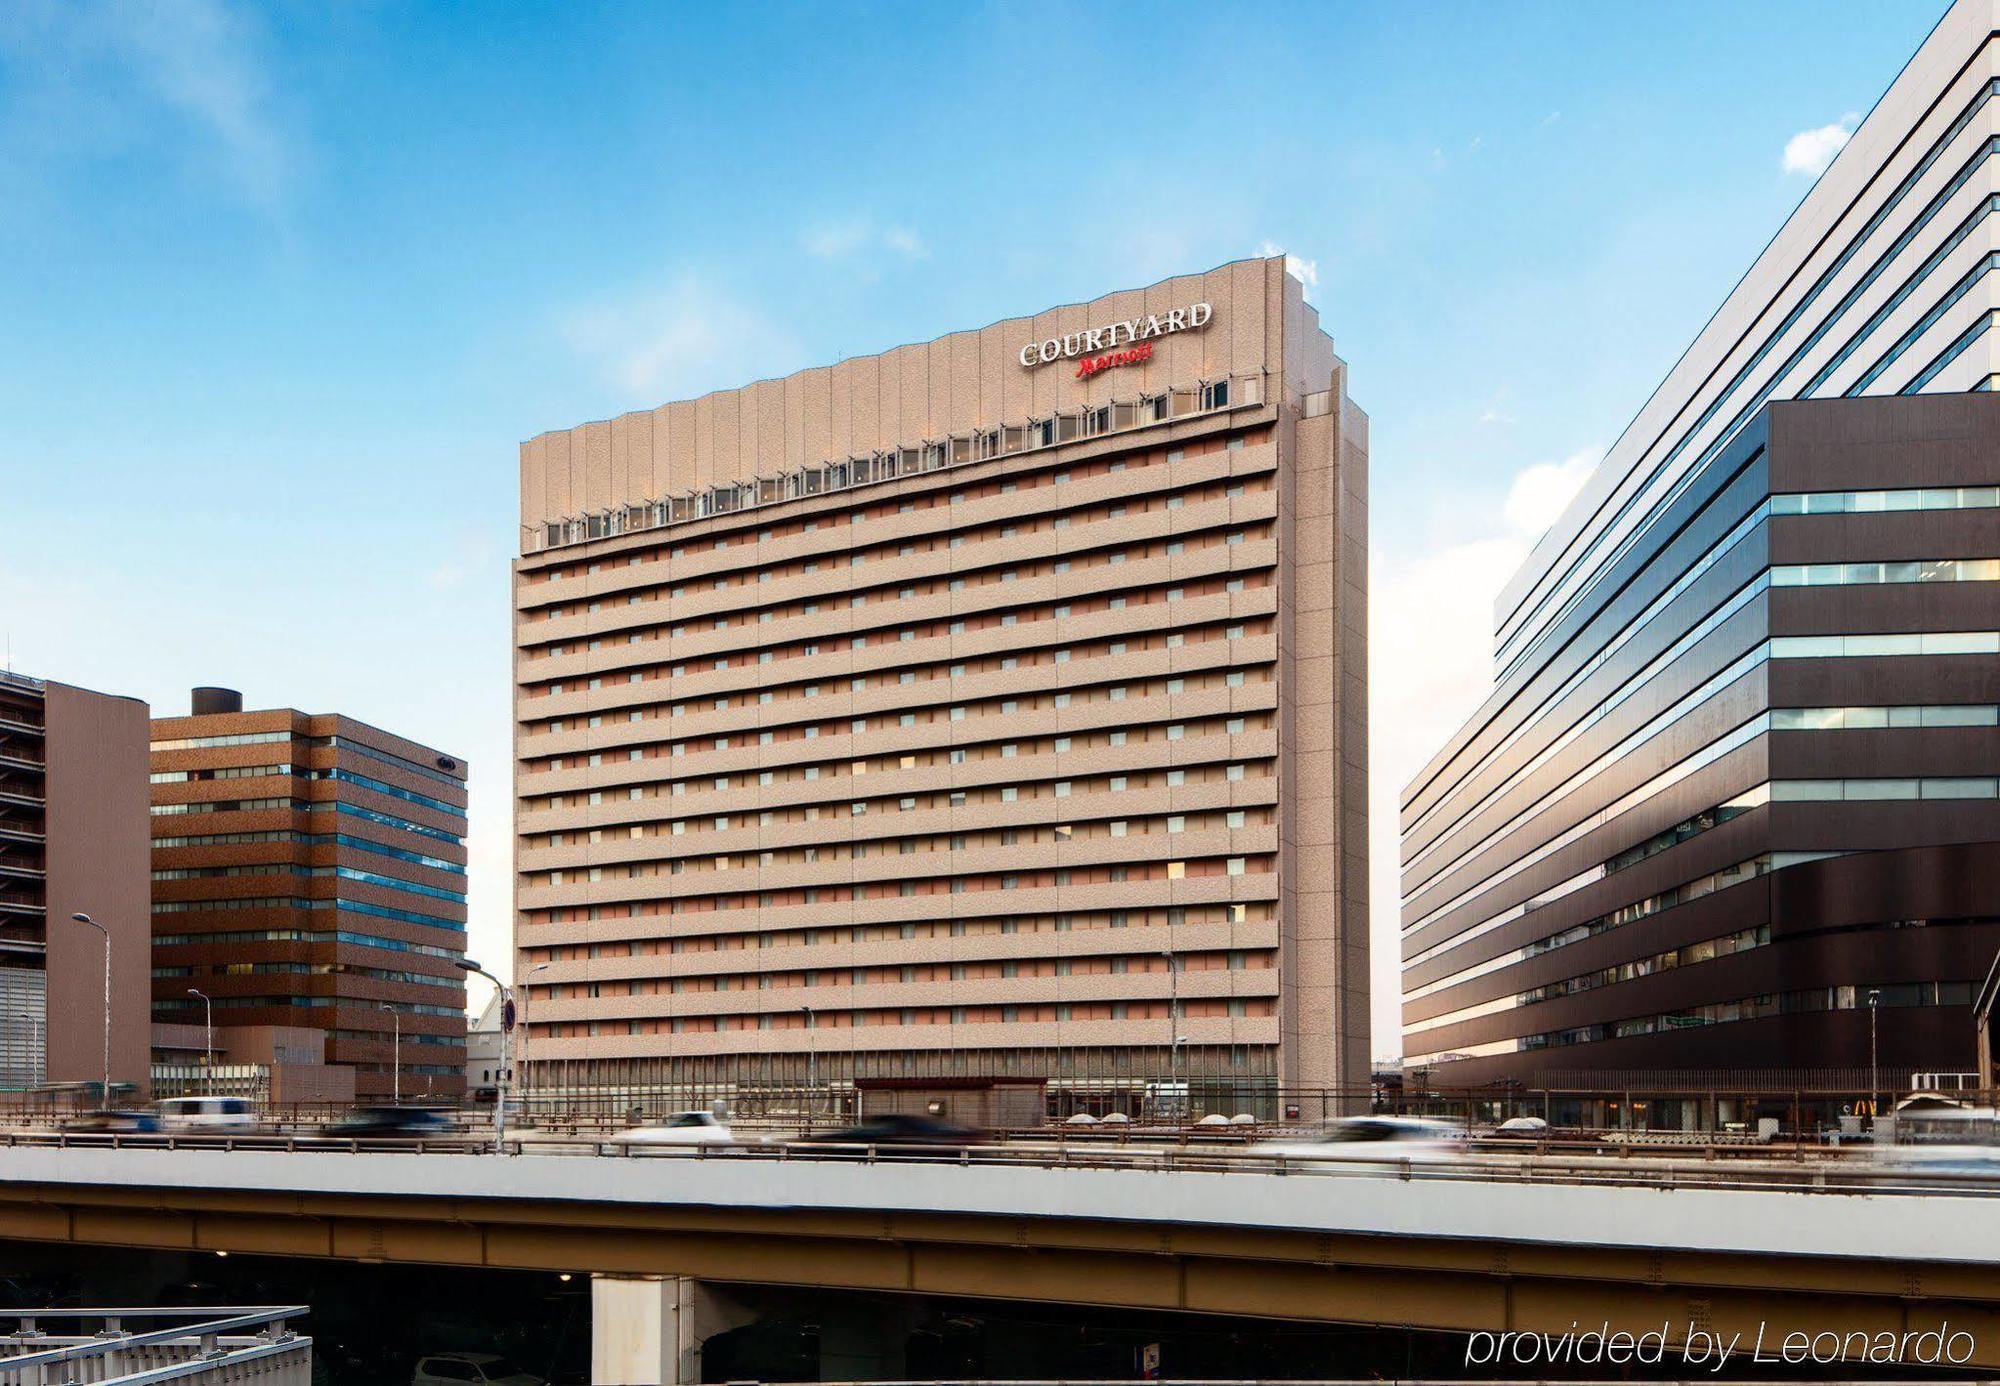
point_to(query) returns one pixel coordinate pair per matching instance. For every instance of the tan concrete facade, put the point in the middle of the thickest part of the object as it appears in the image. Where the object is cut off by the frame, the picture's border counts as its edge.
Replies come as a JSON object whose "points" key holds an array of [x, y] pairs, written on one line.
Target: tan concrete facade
{"points": [[96, 853], [955, 710], [284, 1065], [309, 871], [72, 840]]}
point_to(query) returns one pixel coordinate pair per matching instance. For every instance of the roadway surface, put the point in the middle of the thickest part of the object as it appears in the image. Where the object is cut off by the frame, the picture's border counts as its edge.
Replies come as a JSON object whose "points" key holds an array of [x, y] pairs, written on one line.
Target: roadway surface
{"points": [[1822, 1207]]}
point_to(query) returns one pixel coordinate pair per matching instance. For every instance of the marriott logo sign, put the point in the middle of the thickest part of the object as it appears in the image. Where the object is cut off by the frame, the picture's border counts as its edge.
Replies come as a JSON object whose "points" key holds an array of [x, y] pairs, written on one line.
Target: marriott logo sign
{"points": [[1114, 337]]}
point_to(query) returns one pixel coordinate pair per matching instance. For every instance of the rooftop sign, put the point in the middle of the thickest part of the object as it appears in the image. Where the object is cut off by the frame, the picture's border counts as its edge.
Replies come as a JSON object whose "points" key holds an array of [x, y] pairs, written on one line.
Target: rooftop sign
{"points": [[1107, 340]]}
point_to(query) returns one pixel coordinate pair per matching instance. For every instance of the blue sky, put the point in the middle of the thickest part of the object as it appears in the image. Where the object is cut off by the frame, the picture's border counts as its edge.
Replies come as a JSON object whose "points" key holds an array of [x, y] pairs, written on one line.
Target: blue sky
{"points": [[281, 288]]}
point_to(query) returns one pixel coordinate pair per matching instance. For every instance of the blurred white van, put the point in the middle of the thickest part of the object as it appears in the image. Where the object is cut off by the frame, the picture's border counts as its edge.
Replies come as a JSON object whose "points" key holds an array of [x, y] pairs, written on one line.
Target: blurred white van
{"points": [[206, 1114]]}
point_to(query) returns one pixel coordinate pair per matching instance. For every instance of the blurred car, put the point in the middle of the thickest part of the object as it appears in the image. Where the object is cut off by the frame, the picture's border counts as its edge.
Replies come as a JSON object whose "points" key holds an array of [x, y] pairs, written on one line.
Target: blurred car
{"points": [[898, 1128], [391, 1121], [197, 1114], [1522, 1128], [1381, 1140], [1941, 1137], [683, 1128], [458, 1367], [113, 1122]]}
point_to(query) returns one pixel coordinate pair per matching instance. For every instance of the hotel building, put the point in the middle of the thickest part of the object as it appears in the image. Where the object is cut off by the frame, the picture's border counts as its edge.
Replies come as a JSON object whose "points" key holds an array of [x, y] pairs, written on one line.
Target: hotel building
{"points": [[72, 841], [309, 872], [1735, 785], [992, 706]]}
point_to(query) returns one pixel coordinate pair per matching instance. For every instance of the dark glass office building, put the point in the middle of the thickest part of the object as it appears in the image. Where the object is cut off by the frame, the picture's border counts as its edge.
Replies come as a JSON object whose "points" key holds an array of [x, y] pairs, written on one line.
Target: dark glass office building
{"points": [[1736, 781], [1764, 786]]}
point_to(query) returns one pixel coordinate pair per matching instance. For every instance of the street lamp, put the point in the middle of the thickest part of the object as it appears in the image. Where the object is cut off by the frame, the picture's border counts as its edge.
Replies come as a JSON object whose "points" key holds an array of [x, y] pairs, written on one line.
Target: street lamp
{"points": [[207, 1039], [105, 1104], [527, 1035], [1175, 1039], [1874, 1068], [812, 1062], [499, 1106], [395, 1051]]}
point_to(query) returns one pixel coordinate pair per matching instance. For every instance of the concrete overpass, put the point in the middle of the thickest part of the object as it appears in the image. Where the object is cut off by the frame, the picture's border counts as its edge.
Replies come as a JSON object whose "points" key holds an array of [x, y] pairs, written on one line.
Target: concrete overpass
{"points": [[1506, 1244]]}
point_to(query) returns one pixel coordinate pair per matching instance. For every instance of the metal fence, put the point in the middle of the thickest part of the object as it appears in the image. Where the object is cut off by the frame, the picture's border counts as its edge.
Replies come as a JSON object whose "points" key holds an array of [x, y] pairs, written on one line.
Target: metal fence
{"points": [[203, 1345], [1552, 1161], [1661, 1110]]}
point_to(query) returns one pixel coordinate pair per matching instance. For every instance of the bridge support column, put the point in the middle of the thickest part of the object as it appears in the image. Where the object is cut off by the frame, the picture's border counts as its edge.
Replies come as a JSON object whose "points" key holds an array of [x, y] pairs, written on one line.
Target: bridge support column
{"points": [[648, 1330]]}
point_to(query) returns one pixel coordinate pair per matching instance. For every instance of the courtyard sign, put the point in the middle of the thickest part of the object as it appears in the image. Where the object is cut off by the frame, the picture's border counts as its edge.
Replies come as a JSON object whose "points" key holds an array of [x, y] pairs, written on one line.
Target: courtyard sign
{"points": [[1106, 341]]}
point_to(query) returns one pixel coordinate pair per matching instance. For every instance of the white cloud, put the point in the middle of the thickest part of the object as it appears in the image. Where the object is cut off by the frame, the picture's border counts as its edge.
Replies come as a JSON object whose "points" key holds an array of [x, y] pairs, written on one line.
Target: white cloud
{"points": [[1495, 411], [1430, 630], [1304, 270], [99, 79], [1810, 151], [834, 240], [680, 341], [472, 557], [858, 236], [1538, 495]]}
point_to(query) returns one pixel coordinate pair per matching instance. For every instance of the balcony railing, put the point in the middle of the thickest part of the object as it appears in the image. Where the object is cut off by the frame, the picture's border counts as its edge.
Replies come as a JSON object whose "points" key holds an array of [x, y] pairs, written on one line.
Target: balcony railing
{"points": [[959, 449]]}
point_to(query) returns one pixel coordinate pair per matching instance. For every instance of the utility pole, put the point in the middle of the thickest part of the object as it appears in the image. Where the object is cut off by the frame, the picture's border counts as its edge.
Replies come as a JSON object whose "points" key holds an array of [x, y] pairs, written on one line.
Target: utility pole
{"points": [[527, 1036], [396, 1051], [105, 1104], [500, 1104], [812, 1063], [207, 1040], [1874, 1068]]}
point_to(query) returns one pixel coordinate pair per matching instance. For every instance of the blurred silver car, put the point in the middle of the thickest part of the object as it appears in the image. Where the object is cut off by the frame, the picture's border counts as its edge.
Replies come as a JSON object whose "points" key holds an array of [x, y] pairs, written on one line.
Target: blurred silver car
{"points": [[683, 1128], [1382, 1140], [1941, 1138]]}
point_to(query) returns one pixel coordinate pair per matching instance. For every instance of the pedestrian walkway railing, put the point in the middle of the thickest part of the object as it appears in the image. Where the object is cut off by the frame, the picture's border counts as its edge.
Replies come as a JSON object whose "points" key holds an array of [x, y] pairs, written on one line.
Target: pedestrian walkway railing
{"points": [[198, 1346]]}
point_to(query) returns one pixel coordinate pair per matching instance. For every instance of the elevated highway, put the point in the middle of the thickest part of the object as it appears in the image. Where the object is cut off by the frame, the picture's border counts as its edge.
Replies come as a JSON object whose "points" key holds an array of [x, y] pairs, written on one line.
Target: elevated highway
{"points": [[1520, 1243]]}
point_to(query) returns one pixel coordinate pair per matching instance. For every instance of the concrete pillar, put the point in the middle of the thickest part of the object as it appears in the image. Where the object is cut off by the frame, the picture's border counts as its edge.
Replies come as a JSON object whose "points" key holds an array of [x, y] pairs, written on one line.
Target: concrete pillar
{"points": [[648, 1330]]}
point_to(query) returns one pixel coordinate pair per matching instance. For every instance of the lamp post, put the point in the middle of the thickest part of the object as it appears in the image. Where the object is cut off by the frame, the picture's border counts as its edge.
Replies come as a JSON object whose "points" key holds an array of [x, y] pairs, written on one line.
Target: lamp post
{"points": [[812, 1062], [527, 1037], [1874, 1068], [395, 1051], [500, 1104], [1174, 1036], [207, 1039], [81, 918]]}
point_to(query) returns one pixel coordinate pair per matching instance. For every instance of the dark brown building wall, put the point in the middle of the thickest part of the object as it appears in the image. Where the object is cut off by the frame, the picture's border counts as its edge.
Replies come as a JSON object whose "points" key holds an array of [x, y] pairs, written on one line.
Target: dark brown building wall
{"points": [[98, 861], [1620, 981]]}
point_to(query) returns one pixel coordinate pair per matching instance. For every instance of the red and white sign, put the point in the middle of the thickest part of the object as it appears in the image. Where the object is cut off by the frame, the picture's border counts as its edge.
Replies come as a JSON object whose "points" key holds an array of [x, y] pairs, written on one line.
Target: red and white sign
{"points": [[1105, 342], [1133, 356]]}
